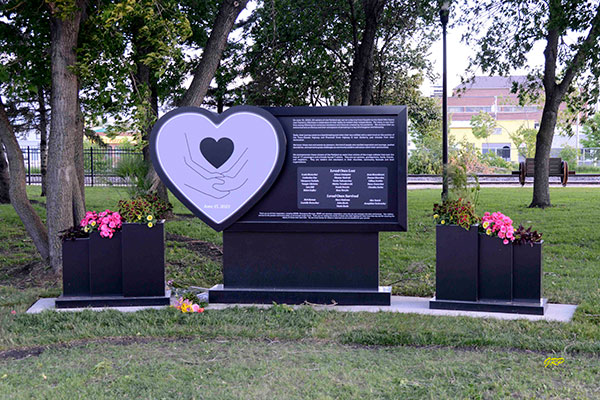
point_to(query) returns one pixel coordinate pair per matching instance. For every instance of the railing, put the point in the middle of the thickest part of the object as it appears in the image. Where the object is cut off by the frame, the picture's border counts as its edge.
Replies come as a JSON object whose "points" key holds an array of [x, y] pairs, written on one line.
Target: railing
{"points": [[590, 156], [102, 166]]}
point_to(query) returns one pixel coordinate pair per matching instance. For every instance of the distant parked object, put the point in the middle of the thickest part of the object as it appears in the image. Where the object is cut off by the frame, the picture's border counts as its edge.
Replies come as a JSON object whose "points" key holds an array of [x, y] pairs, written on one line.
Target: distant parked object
{"points": [[557, 167]]}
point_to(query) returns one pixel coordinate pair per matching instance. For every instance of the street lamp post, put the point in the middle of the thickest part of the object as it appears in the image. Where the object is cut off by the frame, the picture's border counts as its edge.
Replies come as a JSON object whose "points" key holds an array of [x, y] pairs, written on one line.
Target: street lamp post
{"points": [[444, 13]]}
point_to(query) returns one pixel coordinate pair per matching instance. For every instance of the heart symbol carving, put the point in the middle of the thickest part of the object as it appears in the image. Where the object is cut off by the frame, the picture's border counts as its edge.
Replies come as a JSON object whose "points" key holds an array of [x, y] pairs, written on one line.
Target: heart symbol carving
{"points": [[218, 165], [216, 152]]}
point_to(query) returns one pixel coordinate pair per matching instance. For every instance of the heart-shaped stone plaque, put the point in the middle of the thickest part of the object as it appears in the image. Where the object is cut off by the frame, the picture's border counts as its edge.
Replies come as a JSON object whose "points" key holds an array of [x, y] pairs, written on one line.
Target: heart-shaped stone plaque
{"points": [[218, 165]]}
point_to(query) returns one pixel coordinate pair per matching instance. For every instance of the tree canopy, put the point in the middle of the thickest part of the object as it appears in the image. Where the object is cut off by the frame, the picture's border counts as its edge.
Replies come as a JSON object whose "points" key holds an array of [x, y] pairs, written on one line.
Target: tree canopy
{"points": [[570, 31]]}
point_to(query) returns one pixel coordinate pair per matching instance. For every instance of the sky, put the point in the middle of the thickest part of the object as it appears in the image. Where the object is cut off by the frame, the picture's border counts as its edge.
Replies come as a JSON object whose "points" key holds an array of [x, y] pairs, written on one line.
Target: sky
{"points": [[458, 59]]}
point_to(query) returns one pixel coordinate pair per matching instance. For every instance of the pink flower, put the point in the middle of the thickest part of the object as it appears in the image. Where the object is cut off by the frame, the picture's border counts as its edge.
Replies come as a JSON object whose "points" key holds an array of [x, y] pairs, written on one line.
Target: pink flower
{"points": [[13, 312], [505, 241]]}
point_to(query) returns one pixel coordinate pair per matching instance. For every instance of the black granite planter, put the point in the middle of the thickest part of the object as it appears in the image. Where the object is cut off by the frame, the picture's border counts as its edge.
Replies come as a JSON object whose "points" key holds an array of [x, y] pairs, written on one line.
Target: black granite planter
{"points": [[143, 255], [527, 272], [490, 276], [456, 263], [105, 265], [76, 267], [495, 269]]}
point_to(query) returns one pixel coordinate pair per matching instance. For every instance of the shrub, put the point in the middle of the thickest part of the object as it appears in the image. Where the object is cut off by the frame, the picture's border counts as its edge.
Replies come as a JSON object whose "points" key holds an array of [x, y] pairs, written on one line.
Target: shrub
{"points": [[455, 212], [147, 209], [569, 154], [134, 170], [423, 161], [527, 236]]}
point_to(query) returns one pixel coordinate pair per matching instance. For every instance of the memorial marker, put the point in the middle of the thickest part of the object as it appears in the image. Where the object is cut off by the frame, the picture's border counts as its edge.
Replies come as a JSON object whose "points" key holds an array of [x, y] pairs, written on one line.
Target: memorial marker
{"points": [[301, 192]]}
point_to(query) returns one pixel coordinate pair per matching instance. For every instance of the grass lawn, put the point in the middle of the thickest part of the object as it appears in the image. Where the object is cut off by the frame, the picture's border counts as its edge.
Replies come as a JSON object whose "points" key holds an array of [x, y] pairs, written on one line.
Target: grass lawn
{"points": [[280, 353]]}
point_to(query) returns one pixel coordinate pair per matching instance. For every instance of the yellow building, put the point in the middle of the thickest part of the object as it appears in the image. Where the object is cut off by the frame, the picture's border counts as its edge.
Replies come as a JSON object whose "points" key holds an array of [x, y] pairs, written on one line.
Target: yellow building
{"points": [[491, 95], [122, 138]]}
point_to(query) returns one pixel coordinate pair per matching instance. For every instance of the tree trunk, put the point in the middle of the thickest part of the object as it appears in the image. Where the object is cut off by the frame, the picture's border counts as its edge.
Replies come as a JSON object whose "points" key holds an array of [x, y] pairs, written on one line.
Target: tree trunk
{"points": [[543, 145], [63, 202], [361, 78], [555, 93], [156, 185], [211, 57], [18, 192], [4, 177], [79, 186], [43, 136]]}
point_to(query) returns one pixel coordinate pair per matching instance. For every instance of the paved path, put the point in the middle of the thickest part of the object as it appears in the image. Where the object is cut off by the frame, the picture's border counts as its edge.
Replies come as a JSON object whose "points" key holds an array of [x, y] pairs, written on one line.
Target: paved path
{"points": [[400, 304]]}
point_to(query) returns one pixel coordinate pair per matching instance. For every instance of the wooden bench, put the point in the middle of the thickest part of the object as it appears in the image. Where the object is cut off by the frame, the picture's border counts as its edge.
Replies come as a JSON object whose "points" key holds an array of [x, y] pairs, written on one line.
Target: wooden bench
{"points": [[558, 167]]}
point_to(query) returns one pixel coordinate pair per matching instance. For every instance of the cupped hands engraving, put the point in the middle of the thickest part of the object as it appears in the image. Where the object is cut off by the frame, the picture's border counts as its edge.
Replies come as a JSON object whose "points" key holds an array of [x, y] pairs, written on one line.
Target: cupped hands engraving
{"points": [[218, 165]]}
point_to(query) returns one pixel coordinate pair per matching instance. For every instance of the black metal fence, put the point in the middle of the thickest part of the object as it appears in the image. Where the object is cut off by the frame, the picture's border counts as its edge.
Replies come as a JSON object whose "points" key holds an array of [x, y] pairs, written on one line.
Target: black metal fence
{"points": [[102, 166]]}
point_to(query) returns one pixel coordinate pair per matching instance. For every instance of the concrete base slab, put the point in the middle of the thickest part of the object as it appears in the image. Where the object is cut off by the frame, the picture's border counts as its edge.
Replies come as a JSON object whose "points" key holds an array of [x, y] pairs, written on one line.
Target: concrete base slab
{"points": [[420, 305], [400, 304], [50, 304]]}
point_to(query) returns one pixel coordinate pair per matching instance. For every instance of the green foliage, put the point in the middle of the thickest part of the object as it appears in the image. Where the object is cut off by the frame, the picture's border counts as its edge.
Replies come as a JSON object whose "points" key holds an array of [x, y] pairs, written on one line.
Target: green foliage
{"points": [[591, 129], [425, 130], [129, 50], [482, 125], [144, 209], [423, 161], [459, 184], [73, 233], [466, 156], [302, 52], [569, 154], [455, 212], [524, 139], [135, 171], [25, 66], [493, 160], [527, 236]]}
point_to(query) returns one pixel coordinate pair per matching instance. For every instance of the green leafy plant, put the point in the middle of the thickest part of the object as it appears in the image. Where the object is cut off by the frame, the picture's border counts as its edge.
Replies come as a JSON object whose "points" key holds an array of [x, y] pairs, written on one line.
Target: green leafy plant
{"points": [[73, 233], [569, 154], [527, 236], [482, 125], [134, 170], [424, 161], [161, 208], [459, 185], [147, 209], [493, 160], [455, 212], [524, 140]]}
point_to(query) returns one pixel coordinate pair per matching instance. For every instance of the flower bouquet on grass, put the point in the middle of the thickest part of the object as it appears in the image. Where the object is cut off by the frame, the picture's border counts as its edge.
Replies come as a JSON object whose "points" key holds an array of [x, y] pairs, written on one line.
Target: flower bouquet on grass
{"points": [[187, 306]]}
